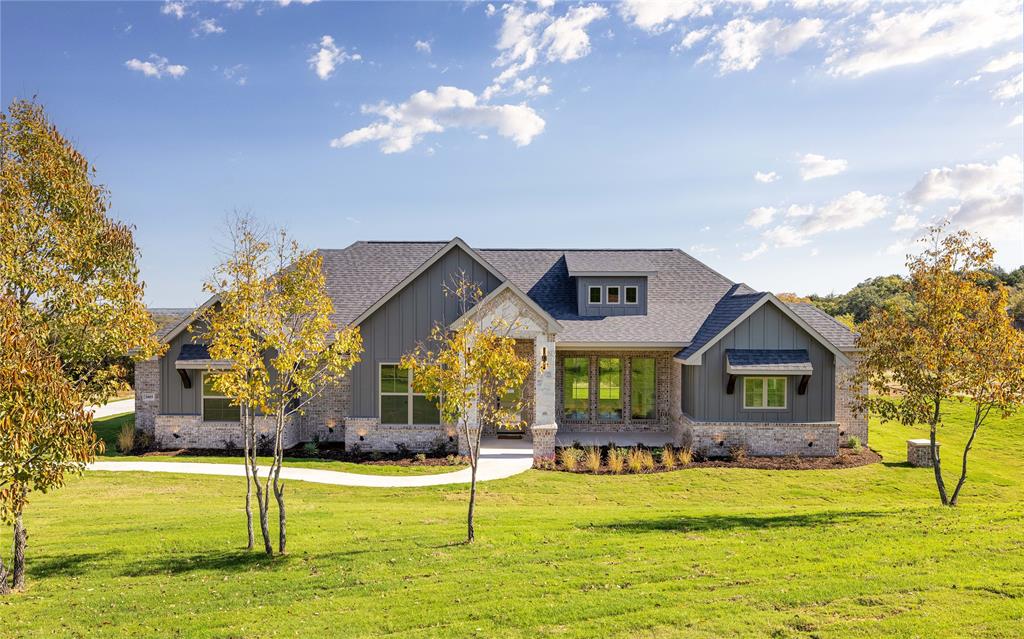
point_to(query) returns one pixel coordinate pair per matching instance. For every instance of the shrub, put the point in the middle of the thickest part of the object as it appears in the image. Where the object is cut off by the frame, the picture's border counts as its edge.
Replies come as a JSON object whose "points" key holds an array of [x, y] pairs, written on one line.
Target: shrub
{"points": [[311, 449], [420, 457], [569, 458], [647, 461], [853, 444], [684, 456], [738, 454], [616, 461], [668, 457], [126, 438], [592, 459]]}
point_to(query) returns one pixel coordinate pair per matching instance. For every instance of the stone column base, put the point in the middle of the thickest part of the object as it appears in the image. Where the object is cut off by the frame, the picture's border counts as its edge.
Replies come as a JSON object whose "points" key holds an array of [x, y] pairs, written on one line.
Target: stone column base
{"points": [[919, 452], [463, 442], [543, 436]]}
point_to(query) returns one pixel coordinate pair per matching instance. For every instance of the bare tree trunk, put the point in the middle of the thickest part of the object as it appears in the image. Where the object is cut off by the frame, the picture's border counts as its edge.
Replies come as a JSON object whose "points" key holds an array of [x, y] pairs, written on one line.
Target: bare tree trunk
{"points": [[246, 429], [936, 462], [262, 500], [470, 532], [963, 470], [20, 541], [282, 535], [5, 586]]}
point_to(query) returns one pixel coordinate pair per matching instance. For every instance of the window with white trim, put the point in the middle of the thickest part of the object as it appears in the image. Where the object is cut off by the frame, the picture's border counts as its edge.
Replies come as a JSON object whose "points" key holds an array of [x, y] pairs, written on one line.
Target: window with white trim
{"points": [[594, 294], [764, 392], [399, 404], [216, 405], [612, 294], [632, 295]]}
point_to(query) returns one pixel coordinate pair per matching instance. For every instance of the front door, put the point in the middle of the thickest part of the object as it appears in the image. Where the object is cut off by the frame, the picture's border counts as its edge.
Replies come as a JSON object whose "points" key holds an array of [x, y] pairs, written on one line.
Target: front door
{"points": [[509, 400]]}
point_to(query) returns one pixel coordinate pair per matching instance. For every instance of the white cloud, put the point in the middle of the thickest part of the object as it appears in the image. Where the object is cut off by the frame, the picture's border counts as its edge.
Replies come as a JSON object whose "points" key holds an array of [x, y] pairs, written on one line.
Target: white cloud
{"points": [[760, 216], [659, 15], [922, 33], [702, 249], [766, 178], [403, 125], [329, 56], [1017, 121], [156, 67], [746, 257], [208, 26], [853, 210], [1004, 63], [795, 210], [423, 46], [236, 74], [490, 10], [742, 43], [566, 39], [904, 223], [173, 8], [285, 3], [813, 166], [691, 38], [1009, 89]]}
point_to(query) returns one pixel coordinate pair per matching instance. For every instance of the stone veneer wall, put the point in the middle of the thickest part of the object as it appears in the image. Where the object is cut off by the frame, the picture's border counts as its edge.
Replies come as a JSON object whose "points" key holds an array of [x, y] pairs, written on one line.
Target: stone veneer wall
{"points": [[543, 436], [190, 431], [715, 439], [664, 382], [324, 417], [147, 394], [367, 435], [850, 425]]}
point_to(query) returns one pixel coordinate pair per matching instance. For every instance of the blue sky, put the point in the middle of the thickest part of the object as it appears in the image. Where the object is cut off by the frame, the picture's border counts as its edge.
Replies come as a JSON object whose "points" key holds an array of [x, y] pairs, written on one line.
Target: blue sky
{"points": [[542, 125]]}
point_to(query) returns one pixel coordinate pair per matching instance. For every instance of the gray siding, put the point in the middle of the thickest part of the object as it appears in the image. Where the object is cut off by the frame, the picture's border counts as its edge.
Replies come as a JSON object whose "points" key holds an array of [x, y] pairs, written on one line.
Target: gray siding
{"points": [[407, 318], [586, 309], [175, 399], [704, 387]]}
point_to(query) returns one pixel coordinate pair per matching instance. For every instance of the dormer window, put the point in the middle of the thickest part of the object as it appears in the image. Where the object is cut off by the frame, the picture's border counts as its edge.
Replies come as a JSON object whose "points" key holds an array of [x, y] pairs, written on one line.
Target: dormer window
{"points": [[631, 295], [613, 294], [595, 294]]}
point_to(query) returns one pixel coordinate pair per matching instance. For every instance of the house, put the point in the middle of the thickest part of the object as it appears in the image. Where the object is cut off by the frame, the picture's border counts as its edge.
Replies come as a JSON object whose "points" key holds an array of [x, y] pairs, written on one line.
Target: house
{"points": [[648, 344]]}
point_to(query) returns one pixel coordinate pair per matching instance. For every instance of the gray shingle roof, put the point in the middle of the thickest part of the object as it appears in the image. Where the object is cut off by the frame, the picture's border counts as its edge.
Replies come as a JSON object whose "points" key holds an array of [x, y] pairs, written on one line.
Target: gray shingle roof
{"points": [[611, 261], [843, 338], [796, 360], [193, 352], [734, 303], [167, 318]]}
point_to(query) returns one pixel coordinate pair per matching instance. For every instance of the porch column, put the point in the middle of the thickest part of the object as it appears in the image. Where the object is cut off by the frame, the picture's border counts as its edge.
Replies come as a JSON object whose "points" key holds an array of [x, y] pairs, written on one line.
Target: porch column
{"points": [[544, 395]]}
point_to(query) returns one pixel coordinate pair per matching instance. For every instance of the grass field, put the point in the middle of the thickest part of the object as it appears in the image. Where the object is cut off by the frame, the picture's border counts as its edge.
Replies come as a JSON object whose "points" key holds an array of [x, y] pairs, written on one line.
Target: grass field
{"points": [[108, 427], [861, 552]]}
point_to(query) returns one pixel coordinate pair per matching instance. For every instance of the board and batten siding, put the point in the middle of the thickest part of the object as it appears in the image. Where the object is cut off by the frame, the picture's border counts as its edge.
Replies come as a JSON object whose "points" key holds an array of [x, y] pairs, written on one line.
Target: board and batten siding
{"points": [[175, 399], [586, 309], [407, 318], [704, 387]]}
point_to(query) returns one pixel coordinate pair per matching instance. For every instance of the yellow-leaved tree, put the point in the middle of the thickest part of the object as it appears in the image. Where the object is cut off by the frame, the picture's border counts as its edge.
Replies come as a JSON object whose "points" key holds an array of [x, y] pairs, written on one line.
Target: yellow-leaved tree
{"points": [[272, 322], [467, 370], [954, 341], [69, 274]]}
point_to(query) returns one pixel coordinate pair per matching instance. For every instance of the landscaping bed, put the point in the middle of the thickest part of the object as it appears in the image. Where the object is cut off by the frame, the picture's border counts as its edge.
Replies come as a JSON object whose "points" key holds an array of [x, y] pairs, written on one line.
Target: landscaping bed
{"points": [[640, 460]]}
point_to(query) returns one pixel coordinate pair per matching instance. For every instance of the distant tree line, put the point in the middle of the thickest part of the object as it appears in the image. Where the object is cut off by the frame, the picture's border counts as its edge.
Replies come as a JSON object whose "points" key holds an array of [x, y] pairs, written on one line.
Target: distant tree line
{"points": [[856, 305]]}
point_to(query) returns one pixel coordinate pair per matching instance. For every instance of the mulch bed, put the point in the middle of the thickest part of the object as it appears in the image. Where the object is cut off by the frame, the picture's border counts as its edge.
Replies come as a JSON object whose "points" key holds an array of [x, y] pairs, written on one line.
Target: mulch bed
{"points": [[326, 452], [845, 459]]}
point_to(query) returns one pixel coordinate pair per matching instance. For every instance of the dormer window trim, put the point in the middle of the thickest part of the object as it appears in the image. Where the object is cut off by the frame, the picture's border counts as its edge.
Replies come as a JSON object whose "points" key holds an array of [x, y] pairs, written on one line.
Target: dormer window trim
{"points": [[636, 295], [590, 294], [608, 295]]}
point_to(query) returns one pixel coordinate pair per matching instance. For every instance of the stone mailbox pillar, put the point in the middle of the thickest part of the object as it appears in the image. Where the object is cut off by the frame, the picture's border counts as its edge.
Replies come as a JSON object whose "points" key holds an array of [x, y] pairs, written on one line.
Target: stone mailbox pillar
{"points": [[543, 442], [919, 452]]}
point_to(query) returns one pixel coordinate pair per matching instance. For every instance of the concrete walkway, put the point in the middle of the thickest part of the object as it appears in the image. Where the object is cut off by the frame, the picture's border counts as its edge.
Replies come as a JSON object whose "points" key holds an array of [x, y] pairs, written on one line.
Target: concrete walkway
{"points": [[498, 459], [112, 408]]}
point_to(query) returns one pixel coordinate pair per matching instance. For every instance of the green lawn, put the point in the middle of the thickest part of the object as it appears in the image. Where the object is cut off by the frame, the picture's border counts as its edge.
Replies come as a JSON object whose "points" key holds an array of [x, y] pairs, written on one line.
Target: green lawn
{"points": [[108, 427], [861, 552]]}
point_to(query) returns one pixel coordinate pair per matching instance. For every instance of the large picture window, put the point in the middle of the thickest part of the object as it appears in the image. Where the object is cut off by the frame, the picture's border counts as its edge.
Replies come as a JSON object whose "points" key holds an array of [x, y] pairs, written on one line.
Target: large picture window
{"points": [[217, 406], [764, 392], [609, 398], [576, 387], [399, 404], [642, 385]]}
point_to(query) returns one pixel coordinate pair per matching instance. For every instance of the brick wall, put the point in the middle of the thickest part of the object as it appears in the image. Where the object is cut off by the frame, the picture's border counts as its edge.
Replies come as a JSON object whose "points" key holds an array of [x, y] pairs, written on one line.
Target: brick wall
{"points": [[716, 439], [190, 431], [367, 435], [662, 389], [850, 425], [147, 394], [325, 415]]}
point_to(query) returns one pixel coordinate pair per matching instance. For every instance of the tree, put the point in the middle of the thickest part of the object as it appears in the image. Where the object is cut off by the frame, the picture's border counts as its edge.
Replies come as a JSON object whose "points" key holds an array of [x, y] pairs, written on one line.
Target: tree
{"points": [[467, 371], [44, 433], [953, 341], [273, 322], [68, 270]]}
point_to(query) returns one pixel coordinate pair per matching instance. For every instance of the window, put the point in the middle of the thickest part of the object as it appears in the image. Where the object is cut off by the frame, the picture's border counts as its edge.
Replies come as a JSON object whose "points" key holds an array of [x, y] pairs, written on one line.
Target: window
{"points": [[631, 295], [399, 404], [609, 394], [595, 294], [576, 387], [642, 381], [764, 392], [613, 294], [216, 406]]}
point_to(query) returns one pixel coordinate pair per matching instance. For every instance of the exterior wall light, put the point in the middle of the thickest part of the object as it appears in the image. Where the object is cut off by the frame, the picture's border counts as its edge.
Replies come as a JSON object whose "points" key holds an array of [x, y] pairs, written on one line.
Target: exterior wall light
{"points": [[543, 358]]}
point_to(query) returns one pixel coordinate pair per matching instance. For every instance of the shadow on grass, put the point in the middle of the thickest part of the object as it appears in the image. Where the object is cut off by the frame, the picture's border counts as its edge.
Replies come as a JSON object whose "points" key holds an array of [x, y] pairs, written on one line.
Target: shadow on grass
{"points": [[705, 523], [216, 561], [65, 565]]}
